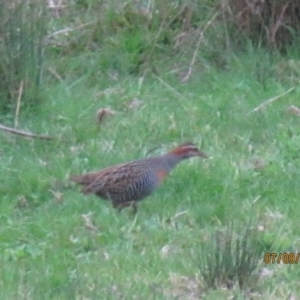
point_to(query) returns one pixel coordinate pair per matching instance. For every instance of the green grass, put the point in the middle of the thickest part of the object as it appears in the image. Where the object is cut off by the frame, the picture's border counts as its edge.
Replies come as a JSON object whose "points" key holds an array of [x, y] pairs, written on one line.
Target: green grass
{"points": [[47, 252]]}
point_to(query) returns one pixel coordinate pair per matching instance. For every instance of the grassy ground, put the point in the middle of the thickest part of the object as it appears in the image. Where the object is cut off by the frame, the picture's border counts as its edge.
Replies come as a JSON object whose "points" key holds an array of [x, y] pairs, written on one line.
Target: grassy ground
{"points": [[49, 251]]}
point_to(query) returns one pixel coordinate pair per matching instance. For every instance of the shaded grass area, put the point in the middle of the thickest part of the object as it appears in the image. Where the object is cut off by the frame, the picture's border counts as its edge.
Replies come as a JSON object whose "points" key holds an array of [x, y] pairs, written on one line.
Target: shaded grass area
{"points": [[49, 252]]}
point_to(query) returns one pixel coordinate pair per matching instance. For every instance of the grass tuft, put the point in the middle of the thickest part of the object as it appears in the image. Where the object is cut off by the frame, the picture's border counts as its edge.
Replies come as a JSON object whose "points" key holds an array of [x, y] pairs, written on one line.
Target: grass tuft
{"points": [[229, 259]]}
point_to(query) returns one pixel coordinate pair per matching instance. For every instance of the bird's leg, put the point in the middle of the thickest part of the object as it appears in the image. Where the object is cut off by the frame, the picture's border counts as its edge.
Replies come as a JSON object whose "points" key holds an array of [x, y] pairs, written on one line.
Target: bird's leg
{"points": [[131, 204], [134, 207]]}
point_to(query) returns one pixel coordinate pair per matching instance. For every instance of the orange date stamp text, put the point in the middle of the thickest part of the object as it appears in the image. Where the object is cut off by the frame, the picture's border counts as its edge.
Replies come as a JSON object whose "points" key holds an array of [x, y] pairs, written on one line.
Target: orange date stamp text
{"points": [[285, 258]]}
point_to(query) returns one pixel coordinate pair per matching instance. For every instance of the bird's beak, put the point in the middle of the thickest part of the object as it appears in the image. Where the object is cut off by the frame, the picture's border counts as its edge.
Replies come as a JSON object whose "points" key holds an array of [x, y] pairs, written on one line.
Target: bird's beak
{"points": [[200, 153]]}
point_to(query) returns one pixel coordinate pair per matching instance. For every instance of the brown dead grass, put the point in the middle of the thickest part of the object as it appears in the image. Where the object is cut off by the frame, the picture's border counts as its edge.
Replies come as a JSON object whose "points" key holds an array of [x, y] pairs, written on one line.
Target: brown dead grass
{"points": [[273, 22]]}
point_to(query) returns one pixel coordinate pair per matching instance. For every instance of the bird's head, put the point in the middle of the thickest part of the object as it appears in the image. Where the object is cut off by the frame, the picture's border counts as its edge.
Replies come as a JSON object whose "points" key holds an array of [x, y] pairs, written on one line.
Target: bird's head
{"points": [[188, 150]]}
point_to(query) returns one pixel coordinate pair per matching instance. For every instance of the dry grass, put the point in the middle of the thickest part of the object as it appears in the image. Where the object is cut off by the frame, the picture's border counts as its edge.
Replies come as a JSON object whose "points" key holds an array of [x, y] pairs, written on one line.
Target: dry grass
{"points": [[274, 23]]}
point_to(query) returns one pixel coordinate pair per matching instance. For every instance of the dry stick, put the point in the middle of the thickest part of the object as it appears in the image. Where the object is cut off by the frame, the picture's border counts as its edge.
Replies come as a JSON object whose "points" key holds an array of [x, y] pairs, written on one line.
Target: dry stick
{"points": [[25, 133], [18, 104], [187, 76], [270, 101]]}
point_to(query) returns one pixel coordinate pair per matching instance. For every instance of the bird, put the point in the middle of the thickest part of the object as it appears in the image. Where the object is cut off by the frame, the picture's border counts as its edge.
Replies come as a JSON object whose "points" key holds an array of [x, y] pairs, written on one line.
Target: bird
{"points": [[128, 183]]}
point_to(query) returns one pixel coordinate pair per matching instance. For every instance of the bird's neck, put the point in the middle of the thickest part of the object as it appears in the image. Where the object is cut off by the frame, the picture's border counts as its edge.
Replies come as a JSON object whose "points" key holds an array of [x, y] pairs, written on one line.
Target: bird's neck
{"points": [[171, 160]]}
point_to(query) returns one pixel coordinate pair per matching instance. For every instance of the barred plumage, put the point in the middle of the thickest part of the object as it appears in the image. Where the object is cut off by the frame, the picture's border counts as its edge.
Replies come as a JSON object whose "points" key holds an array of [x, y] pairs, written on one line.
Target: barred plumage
{"points": [[127, 183]]}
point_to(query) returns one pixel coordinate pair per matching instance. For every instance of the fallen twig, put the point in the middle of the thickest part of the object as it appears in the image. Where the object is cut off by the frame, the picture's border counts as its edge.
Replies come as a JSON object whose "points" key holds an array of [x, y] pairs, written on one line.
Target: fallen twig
{"points": [[269, 101], [25, 133]]}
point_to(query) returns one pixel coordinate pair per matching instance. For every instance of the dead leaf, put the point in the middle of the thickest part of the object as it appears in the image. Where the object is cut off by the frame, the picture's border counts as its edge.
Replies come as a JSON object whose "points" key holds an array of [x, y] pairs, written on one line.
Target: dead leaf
{"points": [[87, 222], [134, 103], [76, 149], [173, 124], [260, 228], [258, 163], [113, 75], [184, 287], [22, 202], [102, 113], [110, 91], [292, 296], [58, 196], [266, 273], [166, 250], [293, 110]]}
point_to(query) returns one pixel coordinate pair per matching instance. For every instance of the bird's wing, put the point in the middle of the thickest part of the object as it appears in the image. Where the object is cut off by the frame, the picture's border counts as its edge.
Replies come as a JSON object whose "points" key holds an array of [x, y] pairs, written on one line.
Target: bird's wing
{"points": [[112, 179]]}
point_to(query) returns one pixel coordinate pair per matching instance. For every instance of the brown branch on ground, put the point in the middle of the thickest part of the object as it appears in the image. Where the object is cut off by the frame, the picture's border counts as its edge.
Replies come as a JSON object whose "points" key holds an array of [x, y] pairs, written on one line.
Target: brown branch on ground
{"points": [[25, 133]]}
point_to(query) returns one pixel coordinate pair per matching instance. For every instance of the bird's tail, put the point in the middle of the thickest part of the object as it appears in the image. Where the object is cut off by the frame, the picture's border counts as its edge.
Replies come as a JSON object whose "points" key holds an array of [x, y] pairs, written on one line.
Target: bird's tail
{"points": [[80, 179], [87, 181]]}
